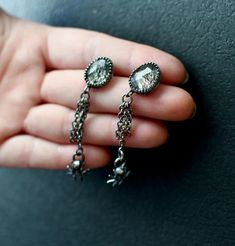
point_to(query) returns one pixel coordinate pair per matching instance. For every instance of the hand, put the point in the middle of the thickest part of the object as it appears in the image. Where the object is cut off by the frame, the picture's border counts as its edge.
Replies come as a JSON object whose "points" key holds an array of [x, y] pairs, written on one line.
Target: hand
{"points": [[41, 78]]}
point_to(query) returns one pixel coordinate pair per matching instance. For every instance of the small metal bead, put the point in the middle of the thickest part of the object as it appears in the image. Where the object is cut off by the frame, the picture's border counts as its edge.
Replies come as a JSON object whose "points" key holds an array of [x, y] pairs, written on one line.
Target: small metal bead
{"points": [[76, 163], [119, 171]]}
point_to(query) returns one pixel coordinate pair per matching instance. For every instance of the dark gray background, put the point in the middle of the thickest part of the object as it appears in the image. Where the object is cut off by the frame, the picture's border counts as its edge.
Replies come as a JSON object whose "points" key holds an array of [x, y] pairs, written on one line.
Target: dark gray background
{"points": [[184, 193]]}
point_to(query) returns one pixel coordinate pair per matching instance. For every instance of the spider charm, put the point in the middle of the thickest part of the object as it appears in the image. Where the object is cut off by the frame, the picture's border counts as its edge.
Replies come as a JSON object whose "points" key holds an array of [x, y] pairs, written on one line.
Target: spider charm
{"points": [[118, 176], [76, 169]]}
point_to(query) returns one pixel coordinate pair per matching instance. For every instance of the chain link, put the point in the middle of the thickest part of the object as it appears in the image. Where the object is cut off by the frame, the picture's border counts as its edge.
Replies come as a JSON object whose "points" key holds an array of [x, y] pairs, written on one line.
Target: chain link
{"points": [[125, 119], [120, 172], [76, 133]]}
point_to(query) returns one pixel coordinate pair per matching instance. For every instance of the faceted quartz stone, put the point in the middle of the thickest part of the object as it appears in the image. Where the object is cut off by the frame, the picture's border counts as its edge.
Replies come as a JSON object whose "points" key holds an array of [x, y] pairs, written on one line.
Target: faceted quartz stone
{"points": [[98, 72], [145, 78]]}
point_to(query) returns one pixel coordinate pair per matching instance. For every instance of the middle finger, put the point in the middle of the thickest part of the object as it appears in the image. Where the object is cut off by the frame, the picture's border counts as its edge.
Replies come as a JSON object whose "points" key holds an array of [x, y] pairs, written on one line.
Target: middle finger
{"points": [[165, 103]]}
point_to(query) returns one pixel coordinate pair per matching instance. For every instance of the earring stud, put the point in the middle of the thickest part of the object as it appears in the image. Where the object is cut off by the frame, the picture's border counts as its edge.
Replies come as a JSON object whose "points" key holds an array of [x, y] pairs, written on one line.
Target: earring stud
{"points": [[142, 81], [97, 74]]}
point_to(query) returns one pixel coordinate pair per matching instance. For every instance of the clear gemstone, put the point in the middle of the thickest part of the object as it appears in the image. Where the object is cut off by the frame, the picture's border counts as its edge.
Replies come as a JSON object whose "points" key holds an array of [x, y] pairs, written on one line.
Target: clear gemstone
{"points": [[145, 78], [99, 72]]}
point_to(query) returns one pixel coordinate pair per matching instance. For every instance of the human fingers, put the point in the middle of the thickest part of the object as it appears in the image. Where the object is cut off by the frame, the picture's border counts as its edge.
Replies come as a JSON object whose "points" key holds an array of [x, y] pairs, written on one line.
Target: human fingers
{"points": [[165, 102], [32, 152], [53, 122], [70, 48]]}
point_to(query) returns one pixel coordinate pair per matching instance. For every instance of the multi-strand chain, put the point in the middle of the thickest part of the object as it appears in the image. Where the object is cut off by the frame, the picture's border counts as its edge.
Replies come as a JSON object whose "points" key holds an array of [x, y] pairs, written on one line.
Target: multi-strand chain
{"points": [[125, 119], [76, 134], [120, 171]]}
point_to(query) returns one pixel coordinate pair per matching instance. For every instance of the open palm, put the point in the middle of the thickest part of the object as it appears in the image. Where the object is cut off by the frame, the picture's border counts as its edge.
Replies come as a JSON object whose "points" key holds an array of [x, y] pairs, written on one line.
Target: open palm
{"points": [[41, 78]]}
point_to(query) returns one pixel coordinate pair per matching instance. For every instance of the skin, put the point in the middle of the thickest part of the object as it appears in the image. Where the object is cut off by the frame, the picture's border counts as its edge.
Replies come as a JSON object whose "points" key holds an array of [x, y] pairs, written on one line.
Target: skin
{"points": [[41, 78]]}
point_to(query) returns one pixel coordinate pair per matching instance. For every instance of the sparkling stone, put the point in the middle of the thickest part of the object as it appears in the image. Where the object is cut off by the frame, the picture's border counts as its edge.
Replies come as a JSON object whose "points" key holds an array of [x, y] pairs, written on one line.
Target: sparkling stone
{"points": [[145, 78], [98, 72]]}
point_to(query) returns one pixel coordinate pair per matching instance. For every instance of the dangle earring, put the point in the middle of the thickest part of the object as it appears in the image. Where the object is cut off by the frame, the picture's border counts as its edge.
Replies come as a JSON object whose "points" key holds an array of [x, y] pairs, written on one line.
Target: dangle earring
{"points": [[97, 74], [142, 81]]}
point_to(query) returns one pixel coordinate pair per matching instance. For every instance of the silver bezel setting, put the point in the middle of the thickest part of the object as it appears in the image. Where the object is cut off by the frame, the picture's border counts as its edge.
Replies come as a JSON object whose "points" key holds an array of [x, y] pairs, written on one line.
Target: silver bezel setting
{"points": [[153, 84], [110, 71]]}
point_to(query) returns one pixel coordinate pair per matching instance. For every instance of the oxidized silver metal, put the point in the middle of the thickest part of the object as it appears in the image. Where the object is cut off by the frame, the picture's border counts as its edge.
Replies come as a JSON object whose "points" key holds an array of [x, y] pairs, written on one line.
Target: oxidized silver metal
{"points": [[97, 74], [143, 80], [120, 171]]}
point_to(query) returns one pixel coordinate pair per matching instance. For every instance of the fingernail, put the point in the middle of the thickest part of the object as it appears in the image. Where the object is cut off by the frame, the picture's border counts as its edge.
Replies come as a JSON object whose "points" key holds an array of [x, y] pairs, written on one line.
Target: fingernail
{"points": [[194, 111], [186, 78]]}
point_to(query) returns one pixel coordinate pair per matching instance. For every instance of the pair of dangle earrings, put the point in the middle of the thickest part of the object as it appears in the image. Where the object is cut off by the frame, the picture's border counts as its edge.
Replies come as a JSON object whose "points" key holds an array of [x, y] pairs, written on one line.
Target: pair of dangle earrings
{"points": [[98, 73]]}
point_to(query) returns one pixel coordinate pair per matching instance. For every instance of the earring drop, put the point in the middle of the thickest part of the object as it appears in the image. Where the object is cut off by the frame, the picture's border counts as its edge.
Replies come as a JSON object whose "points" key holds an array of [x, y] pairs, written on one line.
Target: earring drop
{"points": [[97, 74], [142, 81]]}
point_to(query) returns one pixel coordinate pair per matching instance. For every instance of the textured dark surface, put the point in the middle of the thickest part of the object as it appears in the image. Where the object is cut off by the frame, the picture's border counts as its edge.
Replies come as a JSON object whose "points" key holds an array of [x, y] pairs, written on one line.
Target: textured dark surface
{"points": [[186, 194]]}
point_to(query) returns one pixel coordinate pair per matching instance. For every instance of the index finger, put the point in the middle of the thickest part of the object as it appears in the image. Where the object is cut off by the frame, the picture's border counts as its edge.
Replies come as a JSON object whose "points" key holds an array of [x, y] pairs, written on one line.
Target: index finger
{"points": [[70, 48]]}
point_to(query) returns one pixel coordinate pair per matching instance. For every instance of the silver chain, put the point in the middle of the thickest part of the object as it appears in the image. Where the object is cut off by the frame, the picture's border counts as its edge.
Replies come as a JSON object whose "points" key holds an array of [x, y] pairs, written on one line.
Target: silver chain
{"points": [[120, 171], [76, 134], [125, 119]]}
